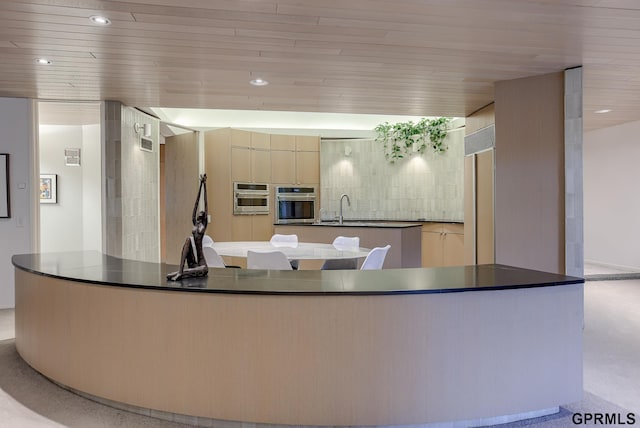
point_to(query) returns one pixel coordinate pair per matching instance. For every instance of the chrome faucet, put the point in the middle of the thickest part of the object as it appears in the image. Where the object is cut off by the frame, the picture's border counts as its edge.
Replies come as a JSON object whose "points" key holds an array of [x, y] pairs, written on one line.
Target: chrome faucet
{"points": [[344, 195]]}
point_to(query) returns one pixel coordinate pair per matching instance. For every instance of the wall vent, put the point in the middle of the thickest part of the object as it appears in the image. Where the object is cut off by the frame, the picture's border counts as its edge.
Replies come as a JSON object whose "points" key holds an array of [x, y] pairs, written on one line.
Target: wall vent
{"points": [[480, 141], [72, 157]]}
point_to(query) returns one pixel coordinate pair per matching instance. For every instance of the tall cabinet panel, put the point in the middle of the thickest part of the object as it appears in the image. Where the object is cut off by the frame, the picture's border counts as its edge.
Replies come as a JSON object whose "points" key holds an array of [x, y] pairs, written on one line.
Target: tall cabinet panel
{"points": [[307, 160], [260, 157], [283, 159], [520, 183], [485, 212], [241, 164], [260, 166], [181, 187], [530, 172], [479, 242], [217, 156]]}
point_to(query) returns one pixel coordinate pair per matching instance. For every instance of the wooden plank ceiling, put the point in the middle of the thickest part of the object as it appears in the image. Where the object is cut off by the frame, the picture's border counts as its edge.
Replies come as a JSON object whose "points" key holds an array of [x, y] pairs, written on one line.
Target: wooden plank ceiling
{"points": [[408, 57]]}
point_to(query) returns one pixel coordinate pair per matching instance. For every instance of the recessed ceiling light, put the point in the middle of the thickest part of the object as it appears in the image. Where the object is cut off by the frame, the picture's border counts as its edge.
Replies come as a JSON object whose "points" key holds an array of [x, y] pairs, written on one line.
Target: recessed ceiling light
{"points": [[604, 110], [43, 61], [259, 82], [100, 20]]}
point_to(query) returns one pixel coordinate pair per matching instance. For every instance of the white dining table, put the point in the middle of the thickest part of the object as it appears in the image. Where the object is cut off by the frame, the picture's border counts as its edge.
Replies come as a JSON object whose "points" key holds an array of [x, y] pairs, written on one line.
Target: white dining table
{"points": [[302, 251]]}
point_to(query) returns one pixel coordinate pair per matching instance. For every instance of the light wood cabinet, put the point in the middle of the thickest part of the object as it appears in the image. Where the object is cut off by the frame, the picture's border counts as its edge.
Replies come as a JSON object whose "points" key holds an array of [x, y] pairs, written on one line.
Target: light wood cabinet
{"points": [[260, 141], [442, 244], [307, 160], [307, 168], [453, 243], [241, 164], [283, 159], [261, 227], [240, 138], [283, 142], [261, 166], [250, 156], [217, 155], [283, 166], [305, 143], [295, 159]]}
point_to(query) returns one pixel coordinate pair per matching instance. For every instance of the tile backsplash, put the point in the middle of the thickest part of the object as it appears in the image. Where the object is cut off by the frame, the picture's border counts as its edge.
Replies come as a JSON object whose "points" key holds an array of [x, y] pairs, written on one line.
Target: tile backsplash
{"points": [[426, 186], [132, 189]]}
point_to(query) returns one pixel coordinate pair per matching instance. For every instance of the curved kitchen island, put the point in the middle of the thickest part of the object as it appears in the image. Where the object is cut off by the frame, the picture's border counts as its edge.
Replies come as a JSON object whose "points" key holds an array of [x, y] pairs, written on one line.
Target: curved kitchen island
{"points": [[472, 345]]}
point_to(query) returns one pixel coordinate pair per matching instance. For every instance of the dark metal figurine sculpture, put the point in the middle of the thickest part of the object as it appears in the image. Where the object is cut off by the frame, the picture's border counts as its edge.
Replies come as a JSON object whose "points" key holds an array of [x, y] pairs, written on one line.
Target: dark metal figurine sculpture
{"points": [[196, 262]]}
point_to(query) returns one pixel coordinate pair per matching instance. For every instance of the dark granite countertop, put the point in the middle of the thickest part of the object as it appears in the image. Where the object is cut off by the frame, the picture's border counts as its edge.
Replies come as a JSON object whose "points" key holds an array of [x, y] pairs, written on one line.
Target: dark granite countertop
{"points": [[97, 268]]}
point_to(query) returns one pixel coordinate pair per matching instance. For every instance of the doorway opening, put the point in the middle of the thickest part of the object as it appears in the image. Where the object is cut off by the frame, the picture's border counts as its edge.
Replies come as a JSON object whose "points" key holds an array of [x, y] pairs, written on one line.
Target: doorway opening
{"points": [[70, 163]]}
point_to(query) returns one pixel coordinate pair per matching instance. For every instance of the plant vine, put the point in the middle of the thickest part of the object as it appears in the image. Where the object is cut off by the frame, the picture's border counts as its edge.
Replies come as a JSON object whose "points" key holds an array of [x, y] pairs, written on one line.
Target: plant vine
{"points": [[405, 138]]}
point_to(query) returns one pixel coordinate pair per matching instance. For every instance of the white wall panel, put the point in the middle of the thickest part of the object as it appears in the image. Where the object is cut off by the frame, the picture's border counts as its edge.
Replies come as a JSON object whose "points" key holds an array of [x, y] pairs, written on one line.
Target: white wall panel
{"points": [[611, 200], [16, 138]]}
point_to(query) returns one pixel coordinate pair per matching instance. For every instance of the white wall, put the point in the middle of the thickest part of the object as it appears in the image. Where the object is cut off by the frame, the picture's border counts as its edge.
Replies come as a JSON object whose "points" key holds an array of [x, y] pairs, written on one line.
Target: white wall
{"points": [[428, 186], [16, 138], [611, 195], [74, 222], [92, 187], [61, 223]]}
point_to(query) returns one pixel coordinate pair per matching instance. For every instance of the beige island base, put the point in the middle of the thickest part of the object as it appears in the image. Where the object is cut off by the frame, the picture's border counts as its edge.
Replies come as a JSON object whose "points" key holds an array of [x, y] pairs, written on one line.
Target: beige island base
{"points": [[253, 346]]}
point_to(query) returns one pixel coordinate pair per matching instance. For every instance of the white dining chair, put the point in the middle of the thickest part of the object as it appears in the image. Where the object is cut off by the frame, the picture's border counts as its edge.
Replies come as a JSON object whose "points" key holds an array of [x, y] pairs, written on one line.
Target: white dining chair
{"points": [[279, 240], [212, 257], [347, 242], [343, 243], [276, 260], [375, 258], [207, 240]]}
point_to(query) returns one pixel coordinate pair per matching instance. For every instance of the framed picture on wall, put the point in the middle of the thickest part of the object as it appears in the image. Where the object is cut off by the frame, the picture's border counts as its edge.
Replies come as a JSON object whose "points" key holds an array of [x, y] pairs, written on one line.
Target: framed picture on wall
{"points": [[5, 205], [48, 189]]}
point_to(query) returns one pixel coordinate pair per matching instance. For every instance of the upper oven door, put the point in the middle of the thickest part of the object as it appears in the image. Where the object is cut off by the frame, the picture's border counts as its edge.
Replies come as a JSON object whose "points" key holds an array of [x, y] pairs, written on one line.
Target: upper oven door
{"points": [[250, 198]]}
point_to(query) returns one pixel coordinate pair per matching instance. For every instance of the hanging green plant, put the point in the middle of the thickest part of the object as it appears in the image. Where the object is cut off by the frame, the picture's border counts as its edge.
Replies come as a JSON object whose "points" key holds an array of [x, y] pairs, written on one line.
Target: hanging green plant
{"points": [[405, 138], [437, 130]]}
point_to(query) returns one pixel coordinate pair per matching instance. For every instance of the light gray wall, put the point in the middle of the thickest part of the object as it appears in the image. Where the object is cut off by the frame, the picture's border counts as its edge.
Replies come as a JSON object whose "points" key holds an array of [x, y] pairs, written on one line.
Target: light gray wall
{"points": [[573, 169], [92, 187], [74, 222], [61, 223], [611, 195], [132, 196], [16, 236], [420, 187], [140, 175]]}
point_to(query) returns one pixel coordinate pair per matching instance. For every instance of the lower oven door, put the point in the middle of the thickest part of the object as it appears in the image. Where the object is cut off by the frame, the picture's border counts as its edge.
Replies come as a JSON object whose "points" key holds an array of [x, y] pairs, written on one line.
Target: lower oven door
{"points": [[295, 210], [251, 203]]}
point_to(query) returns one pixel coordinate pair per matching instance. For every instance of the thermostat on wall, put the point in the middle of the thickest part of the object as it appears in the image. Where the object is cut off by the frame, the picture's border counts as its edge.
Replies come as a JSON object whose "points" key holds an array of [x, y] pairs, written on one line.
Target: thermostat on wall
{"points": [[146, 144]]}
